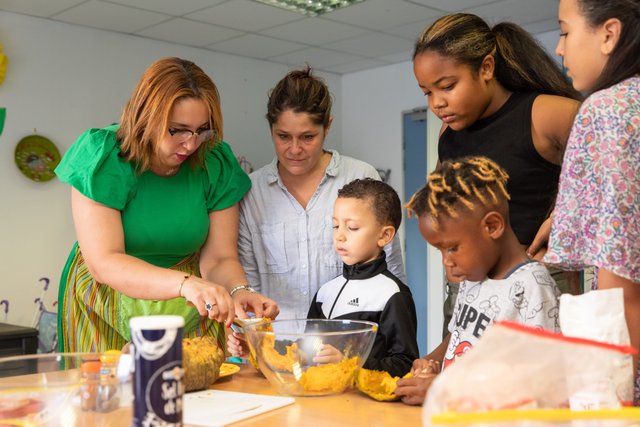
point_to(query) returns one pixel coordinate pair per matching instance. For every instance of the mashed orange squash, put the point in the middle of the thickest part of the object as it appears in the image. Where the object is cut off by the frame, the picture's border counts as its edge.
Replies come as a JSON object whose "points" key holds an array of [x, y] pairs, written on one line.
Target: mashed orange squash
{"points": [[332, 377], [379, 385], [275, 360]]}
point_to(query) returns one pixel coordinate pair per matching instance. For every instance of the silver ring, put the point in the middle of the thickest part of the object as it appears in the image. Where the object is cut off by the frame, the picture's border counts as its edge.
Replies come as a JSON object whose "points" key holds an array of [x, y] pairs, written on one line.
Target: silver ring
{"points": [[208, 306]]}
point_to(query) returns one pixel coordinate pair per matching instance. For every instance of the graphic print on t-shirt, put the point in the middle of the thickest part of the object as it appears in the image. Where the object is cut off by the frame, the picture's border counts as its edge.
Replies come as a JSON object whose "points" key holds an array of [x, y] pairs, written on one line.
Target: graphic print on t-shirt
{"points": [[528, 296]]}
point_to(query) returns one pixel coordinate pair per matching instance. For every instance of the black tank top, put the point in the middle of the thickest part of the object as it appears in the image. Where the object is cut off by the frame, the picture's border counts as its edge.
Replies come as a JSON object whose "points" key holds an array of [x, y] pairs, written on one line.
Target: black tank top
{"points": [[505, 138]]}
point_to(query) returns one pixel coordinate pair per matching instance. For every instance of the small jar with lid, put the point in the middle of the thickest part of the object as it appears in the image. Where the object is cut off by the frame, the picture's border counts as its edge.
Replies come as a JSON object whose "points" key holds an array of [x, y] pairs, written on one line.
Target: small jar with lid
{"points": [[108, 398], [89, 381]]}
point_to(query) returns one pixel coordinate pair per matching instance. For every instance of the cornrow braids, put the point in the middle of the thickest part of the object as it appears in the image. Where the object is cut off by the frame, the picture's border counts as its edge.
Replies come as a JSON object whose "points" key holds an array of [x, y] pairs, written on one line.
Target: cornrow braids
{"points": [[463, 182]]}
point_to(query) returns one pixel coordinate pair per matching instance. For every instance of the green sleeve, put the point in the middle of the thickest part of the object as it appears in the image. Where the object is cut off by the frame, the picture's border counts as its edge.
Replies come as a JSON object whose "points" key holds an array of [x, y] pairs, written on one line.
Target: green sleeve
{"points": [[227, 182], [93, 166]]}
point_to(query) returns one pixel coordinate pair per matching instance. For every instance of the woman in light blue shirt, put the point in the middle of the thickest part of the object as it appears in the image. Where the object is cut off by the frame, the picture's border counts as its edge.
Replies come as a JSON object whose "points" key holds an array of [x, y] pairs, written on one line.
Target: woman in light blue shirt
{"points": [[286, 232]]}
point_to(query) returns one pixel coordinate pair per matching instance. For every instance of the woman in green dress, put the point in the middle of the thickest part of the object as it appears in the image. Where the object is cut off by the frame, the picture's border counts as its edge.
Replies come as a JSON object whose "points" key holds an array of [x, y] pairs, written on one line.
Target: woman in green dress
{"points": [[155, 208]]}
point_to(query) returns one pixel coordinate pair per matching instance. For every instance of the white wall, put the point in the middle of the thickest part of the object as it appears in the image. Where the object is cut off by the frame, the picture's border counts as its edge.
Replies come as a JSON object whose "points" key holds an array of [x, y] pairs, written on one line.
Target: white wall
{"points": [[372, 106], [63, 79]]}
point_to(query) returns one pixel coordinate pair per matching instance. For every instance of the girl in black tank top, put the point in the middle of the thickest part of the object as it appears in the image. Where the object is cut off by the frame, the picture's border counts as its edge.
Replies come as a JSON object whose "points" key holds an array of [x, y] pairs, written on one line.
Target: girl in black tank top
{"points": [[500, 95], [505, 137]]}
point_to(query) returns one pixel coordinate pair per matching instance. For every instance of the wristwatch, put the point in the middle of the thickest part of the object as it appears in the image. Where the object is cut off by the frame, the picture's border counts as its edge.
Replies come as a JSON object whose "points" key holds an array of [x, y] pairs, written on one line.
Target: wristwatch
{"points": [[240, 288]]}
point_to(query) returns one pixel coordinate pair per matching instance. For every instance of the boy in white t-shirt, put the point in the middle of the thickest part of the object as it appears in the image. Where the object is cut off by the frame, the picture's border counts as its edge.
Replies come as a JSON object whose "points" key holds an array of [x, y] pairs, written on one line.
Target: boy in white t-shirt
{"points": [[463, 212]]}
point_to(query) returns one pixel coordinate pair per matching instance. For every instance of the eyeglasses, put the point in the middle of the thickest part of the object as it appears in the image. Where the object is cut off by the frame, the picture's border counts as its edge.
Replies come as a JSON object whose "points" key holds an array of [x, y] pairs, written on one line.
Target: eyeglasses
{"points": [[183, 135]]}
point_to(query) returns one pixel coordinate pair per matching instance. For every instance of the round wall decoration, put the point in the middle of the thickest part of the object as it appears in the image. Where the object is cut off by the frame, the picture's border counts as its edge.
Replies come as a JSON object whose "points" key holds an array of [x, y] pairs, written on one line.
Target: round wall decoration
{"points": [[37, 157]]}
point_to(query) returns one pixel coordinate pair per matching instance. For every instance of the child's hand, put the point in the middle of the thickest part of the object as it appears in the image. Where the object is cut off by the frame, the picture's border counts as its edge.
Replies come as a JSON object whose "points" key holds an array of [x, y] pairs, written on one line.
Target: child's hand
{"points": [[237, 345], [425, 367], [328, 354], [412, 391]]}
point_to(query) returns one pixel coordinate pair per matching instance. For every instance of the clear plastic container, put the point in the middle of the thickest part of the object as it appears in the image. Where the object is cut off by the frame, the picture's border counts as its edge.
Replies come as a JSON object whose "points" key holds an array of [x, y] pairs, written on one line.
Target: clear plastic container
{"points": [[108, 397]]}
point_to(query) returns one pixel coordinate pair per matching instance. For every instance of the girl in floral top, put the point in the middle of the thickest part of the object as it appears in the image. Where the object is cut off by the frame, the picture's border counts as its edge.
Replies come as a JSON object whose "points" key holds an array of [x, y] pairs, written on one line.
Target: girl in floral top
{"points": [[597, 215]]}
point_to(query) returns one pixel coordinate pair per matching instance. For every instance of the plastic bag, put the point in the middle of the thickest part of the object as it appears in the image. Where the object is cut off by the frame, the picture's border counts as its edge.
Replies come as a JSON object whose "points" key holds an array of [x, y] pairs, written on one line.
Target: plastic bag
{"points": [[516, 374], [599, 315]]}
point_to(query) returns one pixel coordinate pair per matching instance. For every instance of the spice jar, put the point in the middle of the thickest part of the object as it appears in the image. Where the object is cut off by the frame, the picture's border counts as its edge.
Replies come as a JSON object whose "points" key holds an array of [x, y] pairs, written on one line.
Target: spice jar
{"points": [[89, 381], [108, 397]]}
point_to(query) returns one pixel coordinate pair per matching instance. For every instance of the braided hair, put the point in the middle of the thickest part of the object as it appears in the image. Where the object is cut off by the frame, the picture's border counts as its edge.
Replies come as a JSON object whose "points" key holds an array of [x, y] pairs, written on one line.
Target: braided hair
{"points": [[460, 183]]}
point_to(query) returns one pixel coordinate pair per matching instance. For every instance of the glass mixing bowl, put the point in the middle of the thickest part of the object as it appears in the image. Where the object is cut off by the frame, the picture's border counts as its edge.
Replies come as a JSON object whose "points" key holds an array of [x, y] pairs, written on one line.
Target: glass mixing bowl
{"points": [[310, 357], [61, 389]]}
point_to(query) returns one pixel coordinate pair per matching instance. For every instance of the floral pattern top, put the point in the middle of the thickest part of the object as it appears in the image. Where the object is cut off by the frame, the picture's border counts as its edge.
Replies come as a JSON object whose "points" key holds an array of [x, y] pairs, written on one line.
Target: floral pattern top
{"points": [[597, 215]]}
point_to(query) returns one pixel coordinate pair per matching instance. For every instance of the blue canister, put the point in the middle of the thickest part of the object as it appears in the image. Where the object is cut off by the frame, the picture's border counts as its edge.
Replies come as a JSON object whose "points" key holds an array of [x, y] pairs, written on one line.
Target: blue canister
{"points": [[157, 379]]}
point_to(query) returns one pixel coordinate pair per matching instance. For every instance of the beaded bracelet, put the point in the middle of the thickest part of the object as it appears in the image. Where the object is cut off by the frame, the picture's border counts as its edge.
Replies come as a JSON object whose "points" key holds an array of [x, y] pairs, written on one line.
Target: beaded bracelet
{"points": [[242, 287], [182, 284]]}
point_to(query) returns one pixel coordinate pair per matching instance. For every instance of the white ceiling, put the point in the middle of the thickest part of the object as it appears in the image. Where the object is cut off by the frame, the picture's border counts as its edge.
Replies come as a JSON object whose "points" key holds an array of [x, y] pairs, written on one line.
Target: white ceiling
{"points": [[366, 35]]}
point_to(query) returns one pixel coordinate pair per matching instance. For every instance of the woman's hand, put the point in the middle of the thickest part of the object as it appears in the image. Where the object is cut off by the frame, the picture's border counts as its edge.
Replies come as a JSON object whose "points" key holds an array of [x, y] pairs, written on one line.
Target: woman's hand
{"points": [[328, 354], [260, 305], [211, 300], [538, 247], [237, 345], [219, 263]]}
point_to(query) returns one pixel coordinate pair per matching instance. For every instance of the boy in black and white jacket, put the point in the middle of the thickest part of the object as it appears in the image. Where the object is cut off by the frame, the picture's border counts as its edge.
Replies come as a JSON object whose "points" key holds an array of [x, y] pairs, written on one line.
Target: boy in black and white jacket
{"points": [[366, 215]]}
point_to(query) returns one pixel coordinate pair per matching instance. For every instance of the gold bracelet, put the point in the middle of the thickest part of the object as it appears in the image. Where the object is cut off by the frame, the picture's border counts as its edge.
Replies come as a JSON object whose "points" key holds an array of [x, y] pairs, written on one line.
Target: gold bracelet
{"points": [[182, 284]]}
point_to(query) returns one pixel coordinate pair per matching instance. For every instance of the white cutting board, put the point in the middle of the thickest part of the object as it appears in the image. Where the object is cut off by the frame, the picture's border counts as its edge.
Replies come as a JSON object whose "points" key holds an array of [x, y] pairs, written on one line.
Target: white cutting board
{"points": [[212, 408]]}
